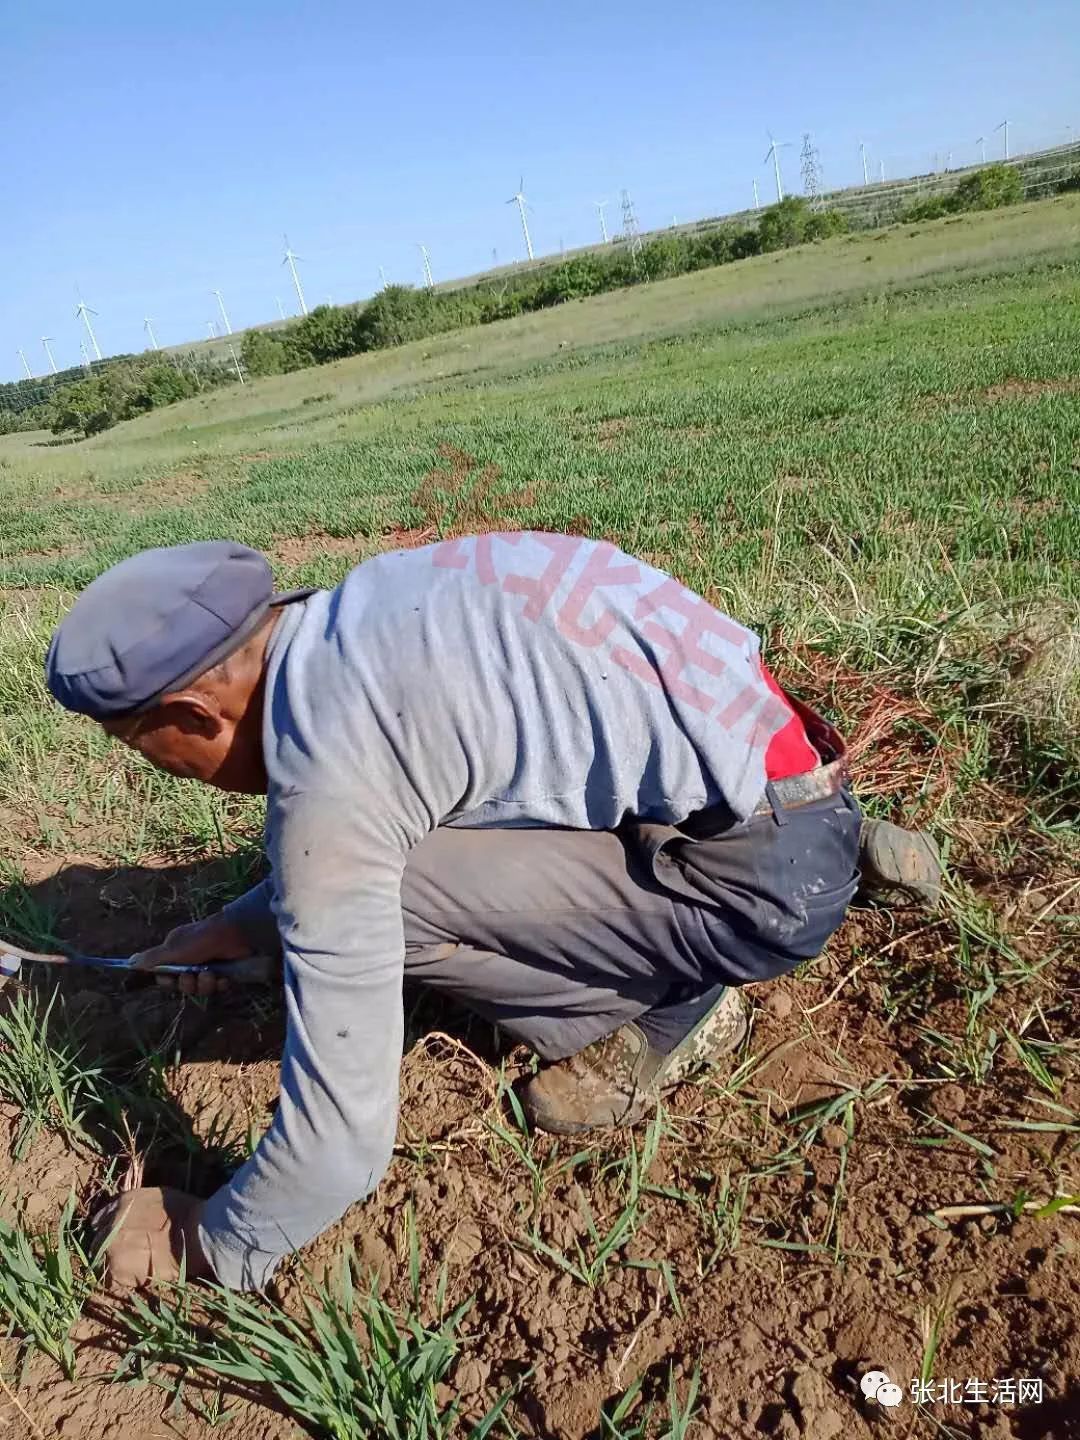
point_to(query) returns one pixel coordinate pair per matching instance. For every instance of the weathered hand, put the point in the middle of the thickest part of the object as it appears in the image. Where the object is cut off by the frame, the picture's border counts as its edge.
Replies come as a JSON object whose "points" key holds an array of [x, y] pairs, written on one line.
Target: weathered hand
{"points": [[203, 942], [146, 1233]]}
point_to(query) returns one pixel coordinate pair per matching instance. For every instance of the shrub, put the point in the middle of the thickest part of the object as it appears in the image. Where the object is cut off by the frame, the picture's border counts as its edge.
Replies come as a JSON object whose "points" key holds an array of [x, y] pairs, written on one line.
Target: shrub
{"points": [[932, 208], [985, 189], [264, 352], [988, 189], [820, 224], [792, 222]]}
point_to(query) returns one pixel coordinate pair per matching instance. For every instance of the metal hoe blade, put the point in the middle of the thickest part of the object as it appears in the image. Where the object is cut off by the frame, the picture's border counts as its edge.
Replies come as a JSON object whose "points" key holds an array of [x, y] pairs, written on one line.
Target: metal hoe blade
{"points": [[255, 969]]}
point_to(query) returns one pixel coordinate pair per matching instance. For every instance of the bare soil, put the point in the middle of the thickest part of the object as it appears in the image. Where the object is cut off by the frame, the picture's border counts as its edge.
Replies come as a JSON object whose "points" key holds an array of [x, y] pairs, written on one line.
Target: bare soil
{"points": [[837, 1268], [298, 549]]}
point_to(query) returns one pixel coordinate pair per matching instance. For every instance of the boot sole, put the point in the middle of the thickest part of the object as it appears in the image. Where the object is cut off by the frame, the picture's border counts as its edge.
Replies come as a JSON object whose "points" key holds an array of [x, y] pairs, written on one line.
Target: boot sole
{"points": [[901, 862], [647, 1099]]}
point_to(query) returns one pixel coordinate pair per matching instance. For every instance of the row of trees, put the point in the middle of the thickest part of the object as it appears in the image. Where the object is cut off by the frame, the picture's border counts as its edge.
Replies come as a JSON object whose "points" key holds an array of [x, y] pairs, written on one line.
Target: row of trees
{"points": [[124, 390], [77, 403], [401, 313]]}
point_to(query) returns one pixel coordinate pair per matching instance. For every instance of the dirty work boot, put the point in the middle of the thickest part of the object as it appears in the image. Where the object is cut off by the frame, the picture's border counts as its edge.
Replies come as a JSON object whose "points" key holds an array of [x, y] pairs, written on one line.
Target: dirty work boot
{"points": [[617, 1080], [899, 865]]}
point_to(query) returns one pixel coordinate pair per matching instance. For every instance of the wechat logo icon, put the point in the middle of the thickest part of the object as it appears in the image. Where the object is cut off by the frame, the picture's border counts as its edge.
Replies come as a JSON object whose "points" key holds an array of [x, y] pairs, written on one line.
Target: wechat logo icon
{"points": [[877, 1386]]}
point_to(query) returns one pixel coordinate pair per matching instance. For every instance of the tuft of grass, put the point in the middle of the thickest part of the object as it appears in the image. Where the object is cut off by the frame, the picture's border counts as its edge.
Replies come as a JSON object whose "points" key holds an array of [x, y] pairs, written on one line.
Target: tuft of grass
{"points": [[42, 1071], [541, 1171], [616, 1422], [45, 1281], [380, 1382], [933, 1328], [719, 1210], [589, 1262]]}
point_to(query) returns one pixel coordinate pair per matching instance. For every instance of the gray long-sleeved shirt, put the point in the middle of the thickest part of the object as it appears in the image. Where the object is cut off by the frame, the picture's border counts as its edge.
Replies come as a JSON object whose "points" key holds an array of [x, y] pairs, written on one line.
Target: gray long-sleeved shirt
{"points": [[499, 680]]}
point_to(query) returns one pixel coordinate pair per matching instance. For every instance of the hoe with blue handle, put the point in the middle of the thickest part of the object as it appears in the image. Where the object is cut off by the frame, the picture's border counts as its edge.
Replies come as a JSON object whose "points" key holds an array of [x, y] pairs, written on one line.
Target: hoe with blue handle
{"points": [[255, 970]]}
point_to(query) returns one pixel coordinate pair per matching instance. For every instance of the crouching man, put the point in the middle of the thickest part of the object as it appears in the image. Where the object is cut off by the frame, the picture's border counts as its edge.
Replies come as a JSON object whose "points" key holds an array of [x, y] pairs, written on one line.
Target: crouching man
{"points": [[527, 770]]}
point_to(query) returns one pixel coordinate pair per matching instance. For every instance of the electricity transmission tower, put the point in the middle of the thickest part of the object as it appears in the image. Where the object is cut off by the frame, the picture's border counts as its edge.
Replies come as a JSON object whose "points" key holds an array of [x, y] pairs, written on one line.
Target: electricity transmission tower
{"points": [[631, 233], [811, 171]]}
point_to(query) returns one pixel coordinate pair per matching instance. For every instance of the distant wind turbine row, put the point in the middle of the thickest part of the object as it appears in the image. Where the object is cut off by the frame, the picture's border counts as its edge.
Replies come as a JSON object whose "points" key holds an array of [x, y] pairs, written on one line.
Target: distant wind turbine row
{"points": [[775, 146], [83, 311]]}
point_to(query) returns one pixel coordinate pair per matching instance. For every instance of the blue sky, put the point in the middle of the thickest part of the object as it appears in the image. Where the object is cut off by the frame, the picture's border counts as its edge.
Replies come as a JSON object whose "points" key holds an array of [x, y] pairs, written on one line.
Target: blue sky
{"points": [[154, 153]]}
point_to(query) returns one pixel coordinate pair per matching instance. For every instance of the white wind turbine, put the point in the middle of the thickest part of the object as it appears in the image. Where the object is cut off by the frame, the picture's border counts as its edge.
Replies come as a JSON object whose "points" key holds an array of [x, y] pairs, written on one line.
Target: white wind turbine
{"points": [[83, 312], [52, 363], [773, 154], [221, 307], [601, 206], [518, 199], [26, 366], [1004, 126], [149, 328], [290, 260]]}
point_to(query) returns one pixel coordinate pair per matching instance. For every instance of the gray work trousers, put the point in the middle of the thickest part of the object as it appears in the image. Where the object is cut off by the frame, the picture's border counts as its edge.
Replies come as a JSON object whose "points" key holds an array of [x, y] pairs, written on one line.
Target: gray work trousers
{"points": [[561, 936]]}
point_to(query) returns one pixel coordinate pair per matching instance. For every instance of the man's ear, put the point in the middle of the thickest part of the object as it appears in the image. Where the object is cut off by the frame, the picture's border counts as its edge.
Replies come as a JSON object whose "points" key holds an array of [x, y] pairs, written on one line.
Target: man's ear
{"points": [[192, 713]]}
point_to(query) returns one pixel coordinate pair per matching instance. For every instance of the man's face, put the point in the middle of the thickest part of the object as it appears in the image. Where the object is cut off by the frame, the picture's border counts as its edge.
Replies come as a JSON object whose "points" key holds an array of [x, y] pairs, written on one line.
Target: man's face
{"points": [[187, 737]]}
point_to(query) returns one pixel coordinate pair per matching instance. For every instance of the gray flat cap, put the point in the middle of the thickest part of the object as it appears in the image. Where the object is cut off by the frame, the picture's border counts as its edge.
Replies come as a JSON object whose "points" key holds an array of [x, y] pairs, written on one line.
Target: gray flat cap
{"points": [[153, 623]]}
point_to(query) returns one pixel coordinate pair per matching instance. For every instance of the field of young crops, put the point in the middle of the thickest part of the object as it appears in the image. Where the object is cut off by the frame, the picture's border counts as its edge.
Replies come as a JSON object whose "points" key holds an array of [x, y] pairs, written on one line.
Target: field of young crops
{"points": [[867, 449]]}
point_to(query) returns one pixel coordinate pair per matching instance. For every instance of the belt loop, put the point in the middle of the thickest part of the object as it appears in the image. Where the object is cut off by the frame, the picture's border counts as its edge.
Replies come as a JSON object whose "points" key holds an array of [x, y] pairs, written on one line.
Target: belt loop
{"points": [[775, 803]]}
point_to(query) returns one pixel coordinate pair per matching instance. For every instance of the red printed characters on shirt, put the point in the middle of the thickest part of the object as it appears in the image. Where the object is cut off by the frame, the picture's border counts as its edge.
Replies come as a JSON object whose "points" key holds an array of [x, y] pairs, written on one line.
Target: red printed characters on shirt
{"points": [[675, 622]]}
